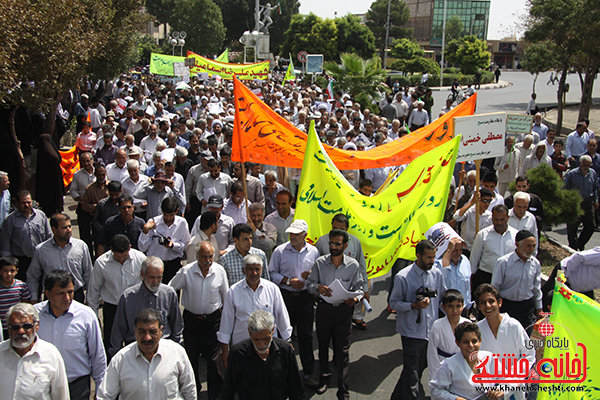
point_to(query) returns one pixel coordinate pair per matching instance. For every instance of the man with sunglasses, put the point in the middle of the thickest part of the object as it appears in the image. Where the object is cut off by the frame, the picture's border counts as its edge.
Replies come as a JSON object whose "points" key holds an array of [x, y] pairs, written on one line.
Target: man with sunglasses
{"points": [[31, 367], [468, 213]]}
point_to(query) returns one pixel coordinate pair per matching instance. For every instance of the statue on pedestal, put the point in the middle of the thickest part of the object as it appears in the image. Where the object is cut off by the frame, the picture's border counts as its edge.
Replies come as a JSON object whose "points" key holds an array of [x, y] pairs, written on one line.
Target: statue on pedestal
{"points": [[266, 20]]}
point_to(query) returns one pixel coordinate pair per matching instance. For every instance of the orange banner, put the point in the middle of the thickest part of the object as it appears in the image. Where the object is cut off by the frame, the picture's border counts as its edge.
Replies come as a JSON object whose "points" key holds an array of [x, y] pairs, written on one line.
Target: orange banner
{"points": [[264, 137], [69, 165]]}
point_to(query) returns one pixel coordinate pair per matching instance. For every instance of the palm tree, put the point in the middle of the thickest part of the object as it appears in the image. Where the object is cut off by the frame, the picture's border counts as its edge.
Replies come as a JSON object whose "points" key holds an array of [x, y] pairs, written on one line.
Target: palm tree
{"points": [[357, 76]]}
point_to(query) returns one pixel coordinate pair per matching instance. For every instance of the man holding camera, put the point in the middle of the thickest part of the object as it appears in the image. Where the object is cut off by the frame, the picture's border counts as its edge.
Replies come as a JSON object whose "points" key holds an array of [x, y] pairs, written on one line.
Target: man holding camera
{"points": [[415, 297], [165, 237]]}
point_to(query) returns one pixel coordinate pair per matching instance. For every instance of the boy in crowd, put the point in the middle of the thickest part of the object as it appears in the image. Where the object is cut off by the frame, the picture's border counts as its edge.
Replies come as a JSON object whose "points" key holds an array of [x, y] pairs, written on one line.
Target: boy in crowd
{"points": [[442, 344], [559, 161], [454, 379], [12, 291], [501, 334]]}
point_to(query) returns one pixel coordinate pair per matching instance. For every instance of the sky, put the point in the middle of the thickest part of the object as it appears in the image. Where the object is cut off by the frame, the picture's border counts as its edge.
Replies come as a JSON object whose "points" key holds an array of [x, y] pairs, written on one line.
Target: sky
{"points": [[501, 12]]}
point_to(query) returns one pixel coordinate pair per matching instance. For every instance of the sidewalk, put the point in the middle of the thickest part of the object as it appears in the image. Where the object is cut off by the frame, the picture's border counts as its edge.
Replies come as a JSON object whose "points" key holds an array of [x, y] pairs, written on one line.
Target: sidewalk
{"points": [[501, 84], [570, 115]]}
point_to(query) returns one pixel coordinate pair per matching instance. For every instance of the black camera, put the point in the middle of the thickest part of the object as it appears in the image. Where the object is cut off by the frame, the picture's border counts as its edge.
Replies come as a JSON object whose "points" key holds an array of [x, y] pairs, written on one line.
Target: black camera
{"points": [[163, 240], [423, 292]]}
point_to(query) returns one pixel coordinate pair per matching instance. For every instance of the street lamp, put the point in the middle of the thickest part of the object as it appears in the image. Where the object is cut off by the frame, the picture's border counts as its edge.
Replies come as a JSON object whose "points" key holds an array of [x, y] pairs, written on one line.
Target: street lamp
{"points": [[178, 39]]}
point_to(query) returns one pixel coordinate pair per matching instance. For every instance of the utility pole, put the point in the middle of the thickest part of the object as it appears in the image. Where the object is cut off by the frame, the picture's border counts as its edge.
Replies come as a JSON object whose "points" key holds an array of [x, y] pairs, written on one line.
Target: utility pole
{"points": [[387, 35], [443, 43]]}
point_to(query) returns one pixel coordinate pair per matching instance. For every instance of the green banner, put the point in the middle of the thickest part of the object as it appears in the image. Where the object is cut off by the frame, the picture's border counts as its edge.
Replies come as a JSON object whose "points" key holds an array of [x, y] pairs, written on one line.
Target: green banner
{"points": [[161, 64]]}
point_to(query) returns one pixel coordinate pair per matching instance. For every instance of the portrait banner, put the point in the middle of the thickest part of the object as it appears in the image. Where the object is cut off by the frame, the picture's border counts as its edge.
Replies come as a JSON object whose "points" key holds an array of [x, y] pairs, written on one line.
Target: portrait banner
{"points": [[390, 224]]}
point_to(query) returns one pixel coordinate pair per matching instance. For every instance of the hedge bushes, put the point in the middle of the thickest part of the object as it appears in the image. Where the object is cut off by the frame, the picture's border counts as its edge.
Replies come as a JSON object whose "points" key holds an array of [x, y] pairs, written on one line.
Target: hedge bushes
{"points": [[449, 75]]}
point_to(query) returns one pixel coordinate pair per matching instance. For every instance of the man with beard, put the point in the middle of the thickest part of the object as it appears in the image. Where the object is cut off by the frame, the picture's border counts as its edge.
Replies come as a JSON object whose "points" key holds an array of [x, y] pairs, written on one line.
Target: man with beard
{"points": [[334, 321], [149, 368], [263, 366], [200, 281], [416, 298], [150, 293], [26, 359]]}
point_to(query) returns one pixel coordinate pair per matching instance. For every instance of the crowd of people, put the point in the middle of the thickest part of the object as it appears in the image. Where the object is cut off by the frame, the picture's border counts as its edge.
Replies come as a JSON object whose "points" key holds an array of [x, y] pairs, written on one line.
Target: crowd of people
{"points": [[168, 222]]}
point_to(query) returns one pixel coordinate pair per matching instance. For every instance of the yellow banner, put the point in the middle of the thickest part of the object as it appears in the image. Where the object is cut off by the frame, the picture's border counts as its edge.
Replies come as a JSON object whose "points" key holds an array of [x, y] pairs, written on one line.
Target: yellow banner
{"points": [[162, 64], [227, 70], [390, 224]]}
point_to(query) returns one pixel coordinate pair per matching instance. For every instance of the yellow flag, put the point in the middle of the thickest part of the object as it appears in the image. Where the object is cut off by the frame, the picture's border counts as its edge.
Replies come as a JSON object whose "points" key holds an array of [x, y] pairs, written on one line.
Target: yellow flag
{"points": [[224, 57], [390, 224], [290, 74]]}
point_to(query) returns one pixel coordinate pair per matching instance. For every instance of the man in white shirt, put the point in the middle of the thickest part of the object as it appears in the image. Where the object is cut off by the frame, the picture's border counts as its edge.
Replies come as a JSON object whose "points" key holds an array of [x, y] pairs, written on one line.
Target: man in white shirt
{"points": [[178, 181], [224, 234], [209, 224], [26, 359], [517, 277], [114, 271], [248, 295], [150, 368], [519, 218], [117, 171], [531, 107], [211, 183], [468, 213], [132, 183], [165, 237], [289, 267], [490, 244], [234, 205], [283, 217], [577, 142], [419, 117], [203, 286], [74, 329], [148, 143]]}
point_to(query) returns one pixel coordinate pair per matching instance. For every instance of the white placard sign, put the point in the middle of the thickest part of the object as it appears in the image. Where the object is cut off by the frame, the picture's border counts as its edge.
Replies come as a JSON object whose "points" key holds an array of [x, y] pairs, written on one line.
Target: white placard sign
{"points": [[179, 69], [482, 136]]}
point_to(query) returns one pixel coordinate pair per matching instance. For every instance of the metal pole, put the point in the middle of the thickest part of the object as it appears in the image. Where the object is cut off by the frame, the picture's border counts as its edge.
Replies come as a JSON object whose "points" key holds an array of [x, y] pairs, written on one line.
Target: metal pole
{"points": [[387, 34], [443, 43], [257, 16]]}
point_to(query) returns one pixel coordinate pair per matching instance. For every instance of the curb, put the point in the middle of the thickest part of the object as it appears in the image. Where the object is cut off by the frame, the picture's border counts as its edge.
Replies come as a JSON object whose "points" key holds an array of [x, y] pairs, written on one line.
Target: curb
{"points": [[563, 246], [502, 84]]}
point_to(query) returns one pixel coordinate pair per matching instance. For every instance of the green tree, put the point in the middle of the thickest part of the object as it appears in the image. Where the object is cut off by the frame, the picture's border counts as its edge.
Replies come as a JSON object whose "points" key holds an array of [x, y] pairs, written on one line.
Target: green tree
{"points": [[358, 76], [560, 205], [454, 28], [353, 37], [420, 64], [537, 58], [57, 44], [312, 34], [203, 23], [406, 49], [566, 24], [470, 52], [145, 47], [162, 10], [377, 20]]}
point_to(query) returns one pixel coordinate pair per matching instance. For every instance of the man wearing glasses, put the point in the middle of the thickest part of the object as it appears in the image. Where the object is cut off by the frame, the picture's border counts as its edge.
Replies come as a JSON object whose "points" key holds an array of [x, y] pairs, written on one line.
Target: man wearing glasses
{"points": [[31, 367], [468, 213]]}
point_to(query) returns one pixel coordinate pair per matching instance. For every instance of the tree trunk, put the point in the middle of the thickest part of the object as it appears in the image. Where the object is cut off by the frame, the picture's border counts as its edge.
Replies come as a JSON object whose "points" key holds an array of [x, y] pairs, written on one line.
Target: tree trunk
{"points": [[586, 90], [50, 125], [17, 144], [534, 81], [561, 86]]}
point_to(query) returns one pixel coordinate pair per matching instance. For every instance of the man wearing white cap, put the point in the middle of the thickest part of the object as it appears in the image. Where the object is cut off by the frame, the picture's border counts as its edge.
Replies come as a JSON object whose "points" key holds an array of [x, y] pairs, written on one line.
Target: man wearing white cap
{"points": [[289, 267]]}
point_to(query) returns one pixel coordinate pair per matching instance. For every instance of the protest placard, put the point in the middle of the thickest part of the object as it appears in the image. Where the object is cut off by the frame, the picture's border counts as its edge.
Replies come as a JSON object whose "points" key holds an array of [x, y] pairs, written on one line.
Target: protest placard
{"points": [[482, 136], [517, 123]]}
